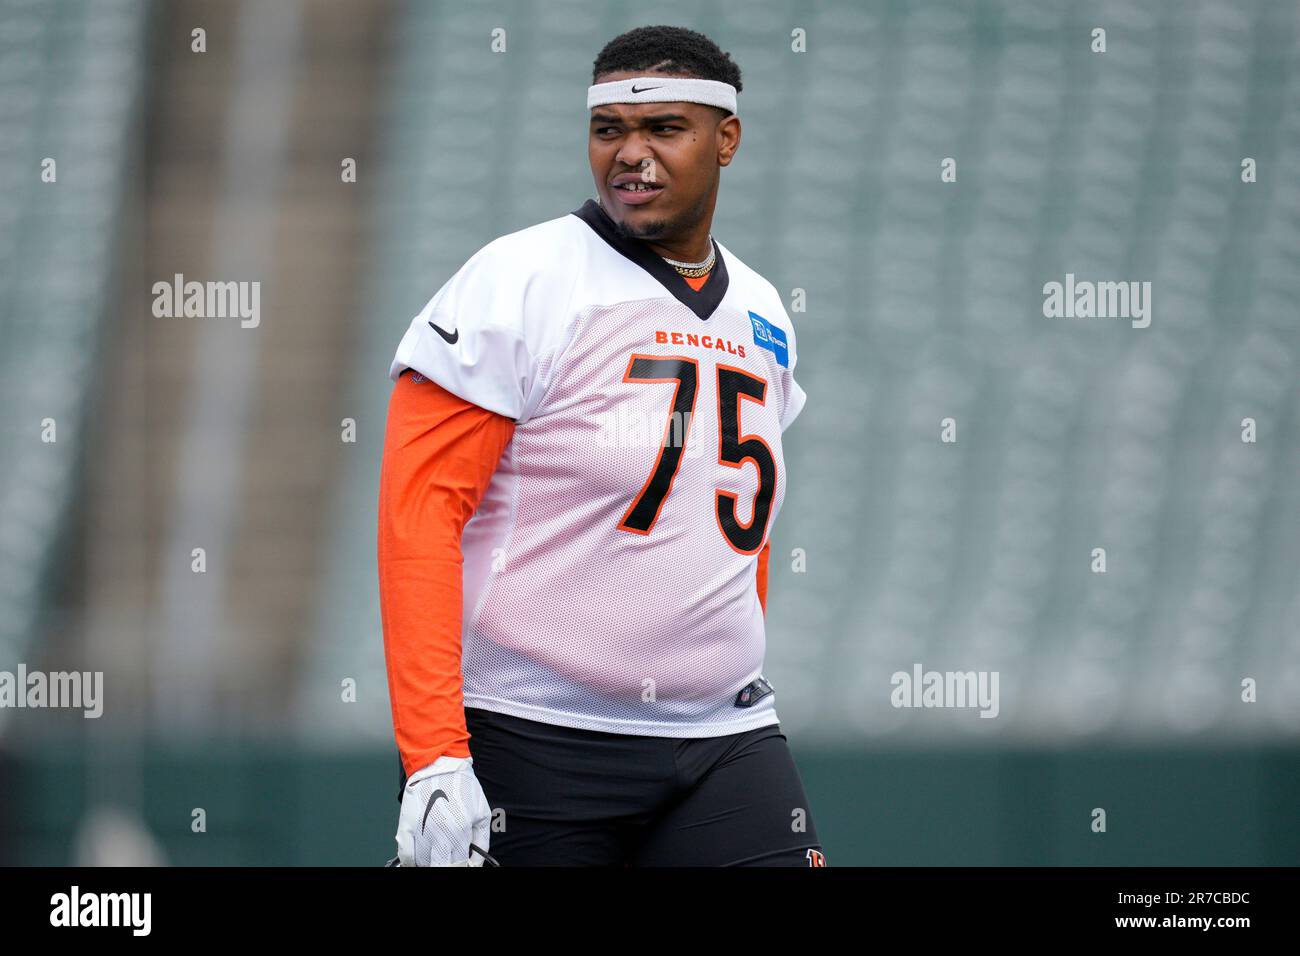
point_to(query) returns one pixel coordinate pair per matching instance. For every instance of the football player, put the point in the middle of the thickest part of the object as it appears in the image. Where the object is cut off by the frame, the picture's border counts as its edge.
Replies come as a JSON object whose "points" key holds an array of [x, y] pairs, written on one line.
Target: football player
{"points": [[582, 467]]}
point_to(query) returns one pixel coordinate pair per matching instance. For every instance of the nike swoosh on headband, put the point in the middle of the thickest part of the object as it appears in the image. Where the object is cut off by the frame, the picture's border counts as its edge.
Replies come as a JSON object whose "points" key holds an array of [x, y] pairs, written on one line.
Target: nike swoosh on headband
{"points": [[645, 88], [451, 337]]}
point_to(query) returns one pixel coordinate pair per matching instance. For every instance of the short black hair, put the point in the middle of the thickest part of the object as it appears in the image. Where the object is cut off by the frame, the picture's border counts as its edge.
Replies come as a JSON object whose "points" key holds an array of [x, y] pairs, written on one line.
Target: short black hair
{"points": [[676, 51]]}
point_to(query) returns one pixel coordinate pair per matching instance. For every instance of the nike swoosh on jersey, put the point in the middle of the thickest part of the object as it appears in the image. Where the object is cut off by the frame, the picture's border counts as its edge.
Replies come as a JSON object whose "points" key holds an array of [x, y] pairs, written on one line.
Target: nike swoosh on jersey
{"points": [[451, 337]]}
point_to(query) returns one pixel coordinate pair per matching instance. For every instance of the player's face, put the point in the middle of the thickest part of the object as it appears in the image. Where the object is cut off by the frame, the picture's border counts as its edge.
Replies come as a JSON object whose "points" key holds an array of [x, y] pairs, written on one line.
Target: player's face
{"points": [[656, 165]]}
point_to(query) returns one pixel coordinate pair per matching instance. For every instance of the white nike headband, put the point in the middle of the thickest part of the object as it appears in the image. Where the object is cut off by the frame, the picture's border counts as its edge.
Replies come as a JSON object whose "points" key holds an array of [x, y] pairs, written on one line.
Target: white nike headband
{"points": [[663, 89]]}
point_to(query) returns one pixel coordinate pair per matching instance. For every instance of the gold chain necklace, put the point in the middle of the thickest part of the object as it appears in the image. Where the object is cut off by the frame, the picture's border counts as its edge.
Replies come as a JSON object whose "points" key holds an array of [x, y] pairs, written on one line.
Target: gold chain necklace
{"points": [[694, 270]]}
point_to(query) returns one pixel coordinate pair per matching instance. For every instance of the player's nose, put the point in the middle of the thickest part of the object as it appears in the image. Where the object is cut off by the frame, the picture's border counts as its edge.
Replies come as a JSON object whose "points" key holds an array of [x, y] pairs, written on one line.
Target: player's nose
{"points": [[634, 153]]}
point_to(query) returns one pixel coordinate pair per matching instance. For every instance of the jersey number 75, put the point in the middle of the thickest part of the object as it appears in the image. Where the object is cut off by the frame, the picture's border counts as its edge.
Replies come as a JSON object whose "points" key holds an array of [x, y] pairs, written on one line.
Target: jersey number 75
{"points": [[734, 449]]}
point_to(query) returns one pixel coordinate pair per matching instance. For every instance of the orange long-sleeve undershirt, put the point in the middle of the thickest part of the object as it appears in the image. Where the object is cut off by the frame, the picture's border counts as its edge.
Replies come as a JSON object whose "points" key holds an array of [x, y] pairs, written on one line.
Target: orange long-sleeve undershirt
{"points": [[440, 452]]}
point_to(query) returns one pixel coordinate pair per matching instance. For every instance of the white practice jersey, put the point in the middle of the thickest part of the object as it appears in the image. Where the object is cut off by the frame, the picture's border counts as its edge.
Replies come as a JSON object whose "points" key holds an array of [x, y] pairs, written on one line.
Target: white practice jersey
{"points": [[609, 573]]}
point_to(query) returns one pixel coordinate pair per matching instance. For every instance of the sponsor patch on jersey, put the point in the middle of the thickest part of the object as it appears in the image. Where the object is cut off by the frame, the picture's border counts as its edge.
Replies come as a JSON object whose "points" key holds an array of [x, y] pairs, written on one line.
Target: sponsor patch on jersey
{"points": [[768, 336]]}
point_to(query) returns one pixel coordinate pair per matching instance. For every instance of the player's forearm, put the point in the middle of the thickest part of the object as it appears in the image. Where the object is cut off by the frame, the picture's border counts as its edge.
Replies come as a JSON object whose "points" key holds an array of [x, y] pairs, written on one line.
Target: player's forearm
{"points": [[421, 610]]}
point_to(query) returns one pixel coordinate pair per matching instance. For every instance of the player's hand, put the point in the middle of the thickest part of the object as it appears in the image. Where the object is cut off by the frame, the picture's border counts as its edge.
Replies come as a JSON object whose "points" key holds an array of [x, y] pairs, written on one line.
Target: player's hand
{"points": [[445, 818]]}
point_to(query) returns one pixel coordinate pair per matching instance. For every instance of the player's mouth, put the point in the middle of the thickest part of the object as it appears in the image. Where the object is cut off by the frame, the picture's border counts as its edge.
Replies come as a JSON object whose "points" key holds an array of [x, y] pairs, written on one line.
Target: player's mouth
{"points": [[632, 191]]}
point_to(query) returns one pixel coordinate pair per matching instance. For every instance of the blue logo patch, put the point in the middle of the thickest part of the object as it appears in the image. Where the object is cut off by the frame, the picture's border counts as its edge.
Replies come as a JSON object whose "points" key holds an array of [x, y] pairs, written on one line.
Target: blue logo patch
{"points": [[768, 336]]}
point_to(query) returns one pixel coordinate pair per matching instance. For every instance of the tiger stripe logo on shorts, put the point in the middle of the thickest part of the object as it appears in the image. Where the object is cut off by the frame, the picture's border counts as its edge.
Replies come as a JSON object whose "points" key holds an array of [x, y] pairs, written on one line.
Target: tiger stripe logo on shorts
{"points": [[816, 858]]}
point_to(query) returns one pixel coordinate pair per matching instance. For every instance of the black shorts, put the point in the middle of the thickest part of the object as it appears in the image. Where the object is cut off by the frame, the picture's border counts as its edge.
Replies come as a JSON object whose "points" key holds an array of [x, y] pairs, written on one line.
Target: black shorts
{"points": [[567, 797]]}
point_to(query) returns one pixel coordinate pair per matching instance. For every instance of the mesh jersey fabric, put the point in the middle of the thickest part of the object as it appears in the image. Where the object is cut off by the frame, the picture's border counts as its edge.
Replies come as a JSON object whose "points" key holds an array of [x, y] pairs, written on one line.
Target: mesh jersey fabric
{"points": [[440, 453], [584, 606]]}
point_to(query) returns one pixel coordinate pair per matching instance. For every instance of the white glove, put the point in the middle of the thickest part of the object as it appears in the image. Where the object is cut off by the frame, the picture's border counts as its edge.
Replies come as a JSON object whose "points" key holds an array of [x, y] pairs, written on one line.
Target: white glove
{"points": [[445, 818]]}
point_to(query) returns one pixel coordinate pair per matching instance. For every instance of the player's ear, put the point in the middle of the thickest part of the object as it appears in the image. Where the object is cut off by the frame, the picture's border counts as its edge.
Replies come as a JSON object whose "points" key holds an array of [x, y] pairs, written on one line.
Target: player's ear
{"points": [[728, 138]]}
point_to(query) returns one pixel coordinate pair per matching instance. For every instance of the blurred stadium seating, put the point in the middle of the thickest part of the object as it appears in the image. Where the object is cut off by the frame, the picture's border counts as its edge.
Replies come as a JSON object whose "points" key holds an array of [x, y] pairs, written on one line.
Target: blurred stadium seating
{"points": [[70, 82], [923, 302]]}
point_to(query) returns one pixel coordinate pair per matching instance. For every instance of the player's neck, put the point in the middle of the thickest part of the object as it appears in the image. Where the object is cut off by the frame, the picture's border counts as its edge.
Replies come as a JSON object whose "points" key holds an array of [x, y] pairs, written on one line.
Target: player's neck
{"points": [[692, 248], [693, 245]]}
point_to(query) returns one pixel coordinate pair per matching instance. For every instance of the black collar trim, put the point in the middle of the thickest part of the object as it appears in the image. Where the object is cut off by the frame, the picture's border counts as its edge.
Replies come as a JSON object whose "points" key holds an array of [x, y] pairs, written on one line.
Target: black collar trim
{"points": [[703, 303]]}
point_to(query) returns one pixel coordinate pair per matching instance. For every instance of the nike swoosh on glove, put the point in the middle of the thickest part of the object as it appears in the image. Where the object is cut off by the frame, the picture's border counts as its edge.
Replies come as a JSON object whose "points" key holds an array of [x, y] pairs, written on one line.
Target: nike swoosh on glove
{"points": [[445, 818]]}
